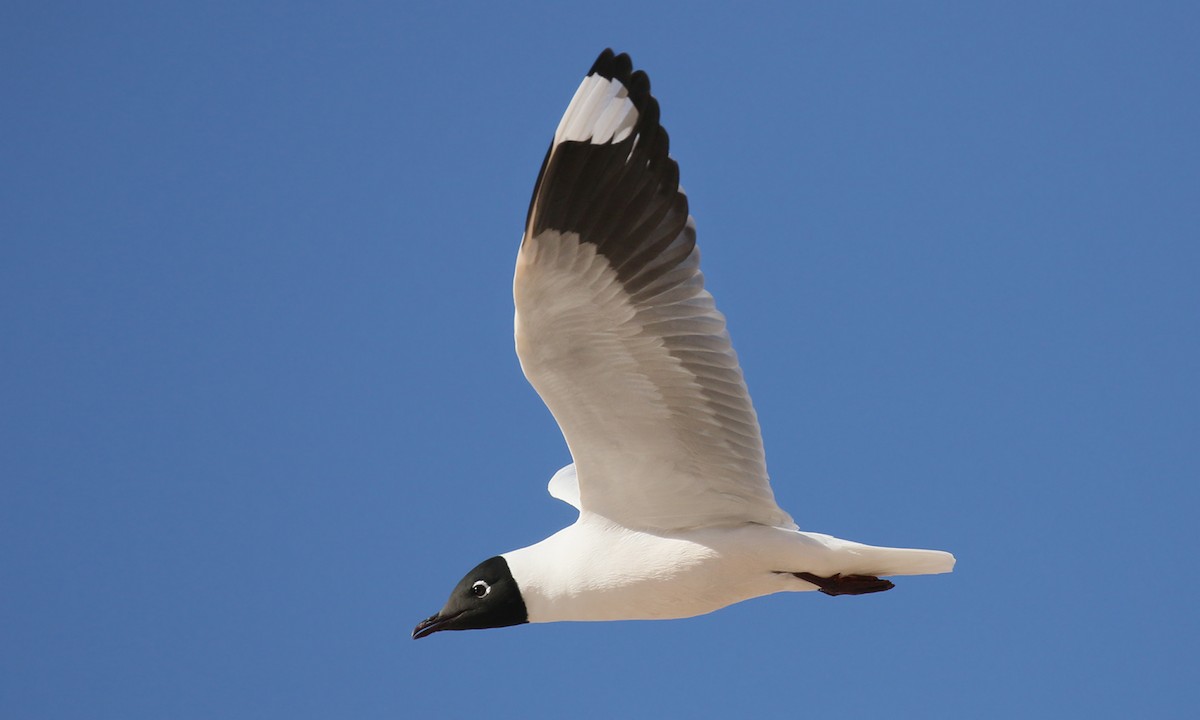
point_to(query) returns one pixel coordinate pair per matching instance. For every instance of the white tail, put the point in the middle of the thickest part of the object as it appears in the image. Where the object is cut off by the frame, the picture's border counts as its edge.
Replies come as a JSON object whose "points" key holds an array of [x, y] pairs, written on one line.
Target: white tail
{"points": [[859, 559]]}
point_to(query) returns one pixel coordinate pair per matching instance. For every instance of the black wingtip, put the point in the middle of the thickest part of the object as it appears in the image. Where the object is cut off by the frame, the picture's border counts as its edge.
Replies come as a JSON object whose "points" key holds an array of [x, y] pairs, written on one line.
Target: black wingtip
{"points": [[638, 84], [604, 64], [612, 66], [649, 119], [621, 196], [620, 68]]}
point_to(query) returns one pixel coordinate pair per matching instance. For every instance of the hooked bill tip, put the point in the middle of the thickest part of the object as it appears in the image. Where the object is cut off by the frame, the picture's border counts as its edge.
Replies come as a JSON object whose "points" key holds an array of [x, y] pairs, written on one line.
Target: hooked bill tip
{"points": [[427, 627]]}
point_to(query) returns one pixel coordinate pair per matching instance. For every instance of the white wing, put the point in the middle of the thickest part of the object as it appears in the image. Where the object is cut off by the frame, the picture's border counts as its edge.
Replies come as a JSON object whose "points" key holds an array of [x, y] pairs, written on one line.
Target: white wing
{"points": [[616, 332], [565, 486]]}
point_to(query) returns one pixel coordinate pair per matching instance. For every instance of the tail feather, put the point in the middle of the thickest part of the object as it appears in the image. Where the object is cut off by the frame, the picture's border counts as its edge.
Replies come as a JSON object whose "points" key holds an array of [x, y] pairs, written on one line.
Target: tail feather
{"points": [[860, 559], [905, 561]]}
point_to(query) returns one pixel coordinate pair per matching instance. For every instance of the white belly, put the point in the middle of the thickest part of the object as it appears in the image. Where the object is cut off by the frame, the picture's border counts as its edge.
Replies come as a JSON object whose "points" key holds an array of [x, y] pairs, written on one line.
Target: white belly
{"points": [[595, 570]]}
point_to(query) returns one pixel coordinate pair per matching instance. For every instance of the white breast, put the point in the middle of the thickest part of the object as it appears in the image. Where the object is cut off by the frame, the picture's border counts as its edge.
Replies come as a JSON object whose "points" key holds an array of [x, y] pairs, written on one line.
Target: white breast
{"points": [[596, 570]]}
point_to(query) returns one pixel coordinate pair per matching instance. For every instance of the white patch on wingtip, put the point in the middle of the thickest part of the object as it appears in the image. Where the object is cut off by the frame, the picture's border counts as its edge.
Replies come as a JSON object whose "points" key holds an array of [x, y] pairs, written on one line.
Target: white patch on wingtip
{"points": [[600, 112]]}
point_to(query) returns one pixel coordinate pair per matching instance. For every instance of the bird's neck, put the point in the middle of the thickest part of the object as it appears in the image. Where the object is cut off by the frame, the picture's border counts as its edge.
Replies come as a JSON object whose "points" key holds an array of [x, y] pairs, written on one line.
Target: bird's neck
{"points": [[596, 570]]}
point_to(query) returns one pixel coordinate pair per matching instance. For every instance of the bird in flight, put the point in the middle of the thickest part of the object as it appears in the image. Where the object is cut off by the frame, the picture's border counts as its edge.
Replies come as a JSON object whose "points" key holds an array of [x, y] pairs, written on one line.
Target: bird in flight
{"points": [[617, 334]]}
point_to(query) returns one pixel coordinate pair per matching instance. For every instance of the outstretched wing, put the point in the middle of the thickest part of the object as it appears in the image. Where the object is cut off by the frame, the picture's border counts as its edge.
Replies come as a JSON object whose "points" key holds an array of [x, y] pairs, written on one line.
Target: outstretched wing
{"points": [[616, 332]]}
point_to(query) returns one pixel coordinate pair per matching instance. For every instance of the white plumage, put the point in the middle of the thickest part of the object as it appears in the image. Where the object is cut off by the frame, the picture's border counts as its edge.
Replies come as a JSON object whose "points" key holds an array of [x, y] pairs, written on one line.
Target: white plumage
{"points": [[657, 443], [615, 331]]}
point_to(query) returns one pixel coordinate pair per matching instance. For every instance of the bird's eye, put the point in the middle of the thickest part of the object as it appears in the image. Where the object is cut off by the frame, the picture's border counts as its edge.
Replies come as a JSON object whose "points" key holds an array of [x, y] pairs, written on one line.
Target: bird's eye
{"points": [[480, 589]]}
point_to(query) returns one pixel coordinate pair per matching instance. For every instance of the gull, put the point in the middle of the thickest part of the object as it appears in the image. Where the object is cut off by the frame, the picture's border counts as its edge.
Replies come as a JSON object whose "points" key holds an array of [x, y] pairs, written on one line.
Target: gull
{"points": [[617, 334]]}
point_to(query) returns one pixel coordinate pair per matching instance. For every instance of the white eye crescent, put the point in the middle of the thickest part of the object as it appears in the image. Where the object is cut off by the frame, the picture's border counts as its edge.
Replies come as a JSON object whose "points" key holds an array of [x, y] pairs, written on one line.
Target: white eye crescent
{"points": [[480, 589]]}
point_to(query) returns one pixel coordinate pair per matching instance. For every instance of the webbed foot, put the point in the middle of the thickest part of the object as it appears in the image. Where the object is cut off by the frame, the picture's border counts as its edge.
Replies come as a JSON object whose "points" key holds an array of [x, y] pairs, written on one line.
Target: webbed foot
{"points": [[847, 584]]}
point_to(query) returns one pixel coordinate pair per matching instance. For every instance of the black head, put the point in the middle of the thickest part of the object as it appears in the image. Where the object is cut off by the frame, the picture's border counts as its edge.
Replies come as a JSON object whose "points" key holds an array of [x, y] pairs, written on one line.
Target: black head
{"points": [[486, 597]]}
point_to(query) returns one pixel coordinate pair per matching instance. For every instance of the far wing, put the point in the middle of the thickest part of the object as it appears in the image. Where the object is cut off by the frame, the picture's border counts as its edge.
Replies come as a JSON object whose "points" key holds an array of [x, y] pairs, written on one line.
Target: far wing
{"points": [[615, 329], [565, 486]]}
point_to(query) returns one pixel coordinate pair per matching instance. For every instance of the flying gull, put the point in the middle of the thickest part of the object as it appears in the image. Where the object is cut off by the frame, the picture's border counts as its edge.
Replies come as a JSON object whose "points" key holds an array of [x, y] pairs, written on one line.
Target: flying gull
{"points": [[617, 334]]}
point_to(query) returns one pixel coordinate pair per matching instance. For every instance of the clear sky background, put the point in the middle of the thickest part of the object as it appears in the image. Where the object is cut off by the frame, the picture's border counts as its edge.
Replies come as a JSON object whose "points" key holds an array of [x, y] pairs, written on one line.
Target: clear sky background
{"points": [[260, 409]]}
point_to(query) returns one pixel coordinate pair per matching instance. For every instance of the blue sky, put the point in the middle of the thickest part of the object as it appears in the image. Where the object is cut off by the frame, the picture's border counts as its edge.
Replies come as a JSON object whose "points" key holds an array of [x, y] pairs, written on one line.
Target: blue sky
{"points": [[261, 408]]}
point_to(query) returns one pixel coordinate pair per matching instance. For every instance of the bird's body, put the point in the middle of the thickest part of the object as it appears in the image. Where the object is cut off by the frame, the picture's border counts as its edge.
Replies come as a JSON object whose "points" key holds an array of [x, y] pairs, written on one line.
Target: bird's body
{"points": [[615, 331], [596, 569]]}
